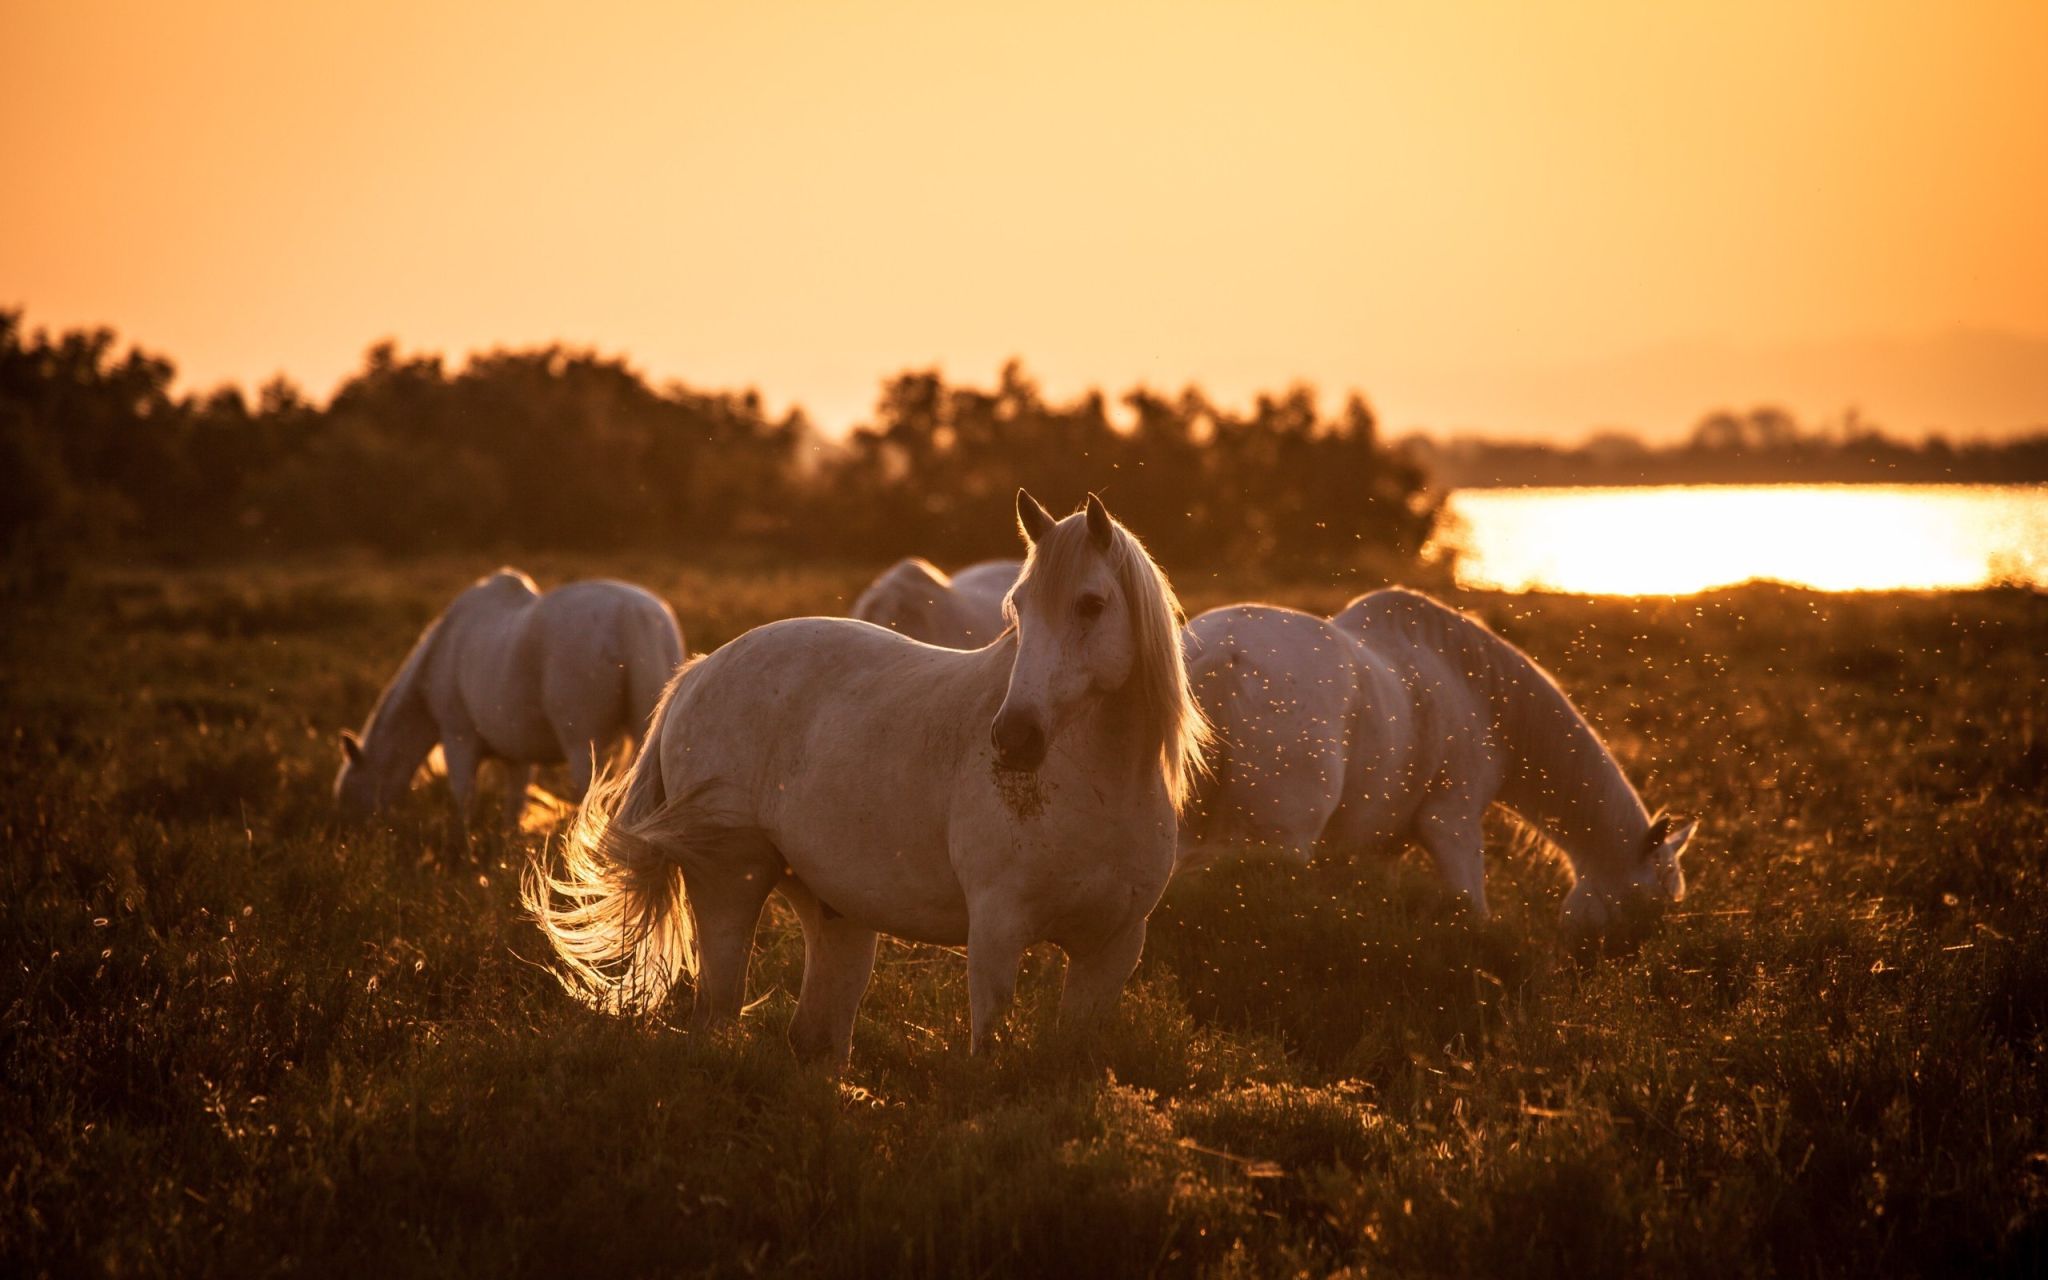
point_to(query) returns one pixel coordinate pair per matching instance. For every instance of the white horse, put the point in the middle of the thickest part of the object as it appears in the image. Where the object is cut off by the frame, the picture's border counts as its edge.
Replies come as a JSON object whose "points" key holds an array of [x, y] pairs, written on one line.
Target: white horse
{"points": [[1402, 718], [510, 674], [1024, 791], [916, 598]]}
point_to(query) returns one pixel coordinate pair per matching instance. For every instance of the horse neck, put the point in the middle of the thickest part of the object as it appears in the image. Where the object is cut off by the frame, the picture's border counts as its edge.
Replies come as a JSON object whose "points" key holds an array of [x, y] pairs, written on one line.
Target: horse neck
{"points": [[987, 677], [1561, 777], [401, 729]]}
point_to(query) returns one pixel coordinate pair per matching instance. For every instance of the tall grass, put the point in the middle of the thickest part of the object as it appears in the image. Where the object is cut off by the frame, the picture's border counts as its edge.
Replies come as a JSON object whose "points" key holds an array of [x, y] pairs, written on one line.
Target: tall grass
{"points": [[237, 1038]]}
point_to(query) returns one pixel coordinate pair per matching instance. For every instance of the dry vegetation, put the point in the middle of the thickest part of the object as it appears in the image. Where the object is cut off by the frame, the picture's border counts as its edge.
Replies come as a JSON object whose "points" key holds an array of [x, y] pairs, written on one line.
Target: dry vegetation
{"points": [[236, 1039]]}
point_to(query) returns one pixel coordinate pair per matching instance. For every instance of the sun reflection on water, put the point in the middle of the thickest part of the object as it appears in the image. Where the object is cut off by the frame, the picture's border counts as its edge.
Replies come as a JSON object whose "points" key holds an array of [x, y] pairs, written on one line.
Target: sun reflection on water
{"points": [[1674, 540]]}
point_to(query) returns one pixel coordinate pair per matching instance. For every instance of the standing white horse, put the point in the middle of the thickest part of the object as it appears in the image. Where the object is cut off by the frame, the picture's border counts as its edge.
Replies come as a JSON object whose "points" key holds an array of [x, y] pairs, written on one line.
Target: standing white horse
{"points": [[915, 597], [1025, 791], [1402, 718], [510, 674]]}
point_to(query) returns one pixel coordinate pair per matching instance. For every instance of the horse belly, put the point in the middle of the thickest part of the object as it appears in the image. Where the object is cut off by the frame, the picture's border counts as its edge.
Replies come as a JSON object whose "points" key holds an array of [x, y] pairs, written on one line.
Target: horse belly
{"points": [[511, 718], [1373, 822], [885, 875]]}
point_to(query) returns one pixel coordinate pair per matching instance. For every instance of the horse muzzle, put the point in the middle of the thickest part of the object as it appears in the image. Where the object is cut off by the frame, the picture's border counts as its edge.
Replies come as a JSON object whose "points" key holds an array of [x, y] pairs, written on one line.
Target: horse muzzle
{"points": [[1019, 740]]}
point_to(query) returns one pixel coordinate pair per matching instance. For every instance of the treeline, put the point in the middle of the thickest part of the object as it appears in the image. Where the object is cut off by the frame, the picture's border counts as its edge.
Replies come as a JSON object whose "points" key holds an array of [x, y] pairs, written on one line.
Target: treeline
{"points": [[1764, 446], [562, 449]]}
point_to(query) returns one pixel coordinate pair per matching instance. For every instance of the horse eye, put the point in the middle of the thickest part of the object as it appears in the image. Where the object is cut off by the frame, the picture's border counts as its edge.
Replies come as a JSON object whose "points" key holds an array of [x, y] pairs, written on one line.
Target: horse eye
{"points": [[1089, 607]]}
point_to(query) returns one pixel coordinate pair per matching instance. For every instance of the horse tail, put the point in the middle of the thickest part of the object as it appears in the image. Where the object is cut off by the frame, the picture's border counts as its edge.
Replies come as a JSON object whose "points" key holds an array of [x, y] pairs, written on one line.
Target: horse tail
{"points": [[614, 909]]}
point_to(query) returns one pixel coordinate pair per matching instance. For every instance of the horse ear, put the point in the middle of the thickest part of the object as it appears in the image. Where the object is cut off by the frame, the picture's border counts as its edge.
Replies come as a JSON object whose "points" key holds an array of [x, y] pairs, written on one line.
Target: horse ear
{"points": [[351, 746], [1668, 831], [1099, 524], [1032, 518]]}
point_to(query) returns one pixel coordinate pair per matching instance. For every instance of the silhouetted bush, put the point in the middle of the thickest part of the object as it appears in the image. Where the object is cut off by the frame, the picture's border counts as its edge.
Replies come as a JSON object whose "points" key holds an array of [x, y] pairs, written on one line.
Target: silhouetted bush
{"points": [[561, 449]]}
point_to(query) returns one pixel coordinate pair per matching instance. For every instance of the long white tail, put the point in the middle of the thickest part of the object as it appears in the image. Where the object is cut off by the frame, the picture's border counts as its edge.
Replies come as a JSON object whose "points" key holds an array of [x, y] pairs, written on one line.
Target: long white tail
{"points": [[614, 910]]}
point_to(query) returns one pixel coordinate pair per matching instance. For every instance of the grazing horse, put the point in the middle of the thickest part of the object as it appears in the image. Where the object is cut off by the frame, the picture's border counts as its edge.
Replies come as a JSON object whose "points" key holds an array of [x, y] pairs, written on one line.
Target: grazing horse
{"points": [[1401, 718], [508, 673], [916, 598], [1025, 791]]}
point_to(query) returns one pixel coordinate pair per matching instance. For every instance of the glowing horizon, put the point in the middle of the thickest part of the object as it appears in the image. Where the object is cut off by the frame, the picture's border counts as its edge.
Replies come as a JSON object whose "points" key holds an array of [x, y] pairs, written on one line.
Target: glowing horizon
{"points": [[1530, 223], [1681, 540]]}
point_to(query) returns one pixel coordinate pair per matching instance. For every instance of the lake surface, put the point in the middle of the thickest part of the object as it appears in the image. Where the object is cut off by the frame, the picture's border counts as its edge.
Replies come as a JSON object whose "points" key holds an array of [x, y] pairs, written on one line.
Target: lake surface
{"points": [[1669, 540]]}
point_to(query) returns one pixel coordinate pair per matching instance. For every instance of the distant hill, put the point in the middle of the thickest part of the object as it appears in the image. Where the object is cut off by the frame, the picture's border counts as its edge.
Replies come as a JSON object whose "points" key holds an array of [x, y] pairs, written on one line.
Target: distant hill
{"points": [[1966, 384], [1763, 446]]}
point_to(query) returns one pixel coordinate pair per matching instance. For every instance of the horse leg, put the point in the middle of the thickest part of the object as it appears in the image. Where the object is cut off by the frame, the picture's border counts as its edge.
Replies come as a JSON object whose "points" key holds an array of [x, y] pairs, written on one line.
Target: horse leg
{"points": [[995, 950], [1096, 978], [839, 958], [582, 702], [579, 754], [516, 778], [1452, 831], [463, 755], [727, 905]]}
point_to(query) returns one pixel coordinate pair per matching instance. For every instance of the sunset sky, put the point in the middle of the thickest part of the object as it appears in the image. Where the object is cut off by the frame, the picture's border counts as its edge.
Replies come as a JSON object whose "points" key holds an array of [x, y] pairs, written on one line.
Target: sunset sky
{"points": [[1517, 218]]}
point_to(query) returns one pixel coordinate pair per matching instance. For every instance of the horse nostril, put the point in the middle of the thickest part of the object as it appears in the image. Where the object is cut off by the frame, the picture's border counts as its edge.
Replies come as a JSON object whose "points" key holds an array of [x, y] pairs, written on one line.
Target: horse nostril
{"points": [[1019, 741]]}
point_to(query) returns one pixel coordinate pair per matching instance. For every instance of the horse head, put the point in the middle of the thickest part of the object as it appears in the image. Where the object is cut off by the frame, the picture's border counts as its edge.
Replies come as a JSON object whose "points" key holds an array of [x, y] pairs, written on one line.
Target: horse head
{"points": [[1095, 618], [1655, 882], [356, 789]]}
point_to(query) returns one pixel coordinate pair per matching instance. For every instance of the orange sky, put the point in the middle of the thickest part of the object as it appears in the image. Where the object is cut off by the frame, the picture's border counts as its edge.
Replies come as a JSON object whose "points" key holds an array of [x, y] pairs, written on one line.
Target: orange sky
{"points": [[1522, 218]]}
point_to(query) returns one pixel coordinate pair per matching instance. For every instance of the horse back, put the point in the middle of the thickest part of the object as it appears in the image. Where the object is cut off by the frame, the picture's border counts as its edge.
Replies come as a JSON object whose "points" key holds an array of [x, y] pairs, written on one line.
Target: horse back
{"points": [[987, 582], [1450, 665], [599, 653]]}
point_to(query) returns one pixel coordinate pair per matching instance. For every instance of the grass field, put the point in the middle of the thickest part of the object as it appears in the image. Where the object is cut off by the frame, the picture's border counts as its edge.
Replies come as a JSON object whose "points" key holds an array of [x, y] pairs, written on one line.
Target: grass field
{"points": [[237, 1039]]}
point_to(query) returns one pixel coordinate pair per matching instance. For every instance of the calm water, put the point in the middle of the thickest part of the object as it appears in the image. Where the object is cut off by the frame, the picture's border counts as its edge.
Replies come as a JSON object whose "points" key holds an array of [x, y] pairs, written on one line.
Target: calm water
{"points": [[1674, 539]]}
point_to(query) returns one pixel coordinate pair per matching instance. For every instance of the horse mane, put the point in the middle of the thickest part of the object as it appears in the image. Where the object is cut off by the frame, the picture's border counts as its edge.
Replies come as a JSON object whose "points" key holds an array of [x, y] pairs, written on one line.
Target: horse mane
{"points": [[1159, 691], [1566, 772]]}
